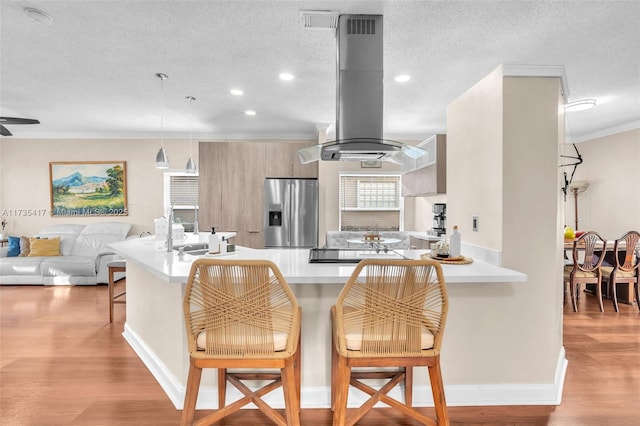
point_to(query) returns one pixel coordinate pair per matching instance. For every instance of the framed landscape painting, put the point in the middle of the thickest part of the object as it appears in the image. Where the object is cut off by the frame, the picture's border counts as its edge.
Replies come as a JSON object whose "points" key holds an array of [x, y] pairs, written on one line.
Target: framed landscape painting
{"points": [[88, 188]]}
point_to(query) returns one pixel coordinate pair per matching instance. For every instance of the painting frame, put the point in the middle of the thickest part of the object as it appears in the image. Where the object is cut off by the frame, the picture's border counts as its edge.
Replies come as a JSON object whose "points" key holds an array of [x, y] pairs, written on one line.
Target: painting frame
{"points": [[88, 188]]}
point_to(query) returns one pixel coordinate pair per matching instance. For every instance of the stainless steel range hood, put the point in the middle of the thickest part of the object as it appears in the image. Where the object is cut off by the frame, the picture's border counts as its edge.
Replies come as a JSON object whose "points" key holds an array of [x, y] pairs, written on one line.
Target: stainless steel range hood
{"points": [[359, 107]]}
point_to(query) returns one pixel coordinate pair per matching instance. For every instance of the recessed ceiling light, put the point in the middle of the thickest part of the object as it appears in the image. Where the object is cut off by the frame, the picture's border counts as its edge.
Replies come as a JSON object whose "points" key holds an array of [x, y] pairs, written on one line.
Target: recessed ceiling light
{"points": [[236, 92], [286, 76], [580, 105], [38, 16], [250, 112], [402, 78]]}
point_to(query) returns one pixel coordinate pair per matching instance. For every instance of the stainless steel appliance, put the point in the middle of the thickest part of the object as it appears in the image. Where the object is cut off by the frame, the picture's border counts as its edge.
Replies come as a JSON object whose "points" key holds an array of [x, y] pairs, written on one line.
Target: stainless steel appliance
{"points": [[330, 255], [439, 219], [290, 212]]}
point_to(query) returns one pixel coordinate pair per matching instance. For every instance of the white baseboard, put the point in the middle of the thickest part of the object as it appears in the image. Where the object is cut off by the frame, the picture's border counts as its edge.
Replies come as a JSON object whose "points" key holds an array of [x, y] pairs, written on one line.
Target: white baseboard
{"points": [[320, 397]]}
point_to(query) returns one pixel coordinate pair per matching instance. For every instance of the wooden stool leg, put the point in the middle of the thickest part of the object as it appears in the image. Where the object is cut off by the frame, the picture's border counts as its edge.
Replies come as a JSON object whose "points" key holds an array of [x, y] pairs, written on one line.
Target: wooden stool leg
{"points": [[222, 387], [342, 392], [111, 285], [437, 388], [191, 394], [408, 386], [289, 388]]}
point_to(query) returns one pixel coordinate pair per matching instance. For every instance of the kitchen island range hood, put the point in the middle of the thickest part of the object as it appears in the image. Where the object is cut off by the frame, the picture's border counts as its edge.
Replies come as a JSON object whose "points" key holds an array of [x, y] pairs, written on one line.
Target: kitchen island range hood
{"points": [[359, 106]]}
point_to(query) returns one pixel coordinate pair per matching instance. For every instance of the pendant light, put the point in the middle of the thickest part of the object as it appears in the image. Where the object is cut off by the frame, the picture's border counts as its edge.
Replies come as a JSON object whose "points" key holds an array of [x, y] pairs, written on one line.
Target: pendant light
{"points": [[191, 165], [162, 160]]}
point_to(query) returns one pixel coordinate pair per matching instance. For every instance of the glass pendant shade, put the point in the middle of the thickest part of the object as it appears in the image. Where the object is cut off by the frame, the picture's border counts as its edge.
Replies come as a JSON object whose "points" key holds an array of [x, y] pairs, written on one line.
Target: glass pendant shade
{"points": [[191, 166], [162, 160]]}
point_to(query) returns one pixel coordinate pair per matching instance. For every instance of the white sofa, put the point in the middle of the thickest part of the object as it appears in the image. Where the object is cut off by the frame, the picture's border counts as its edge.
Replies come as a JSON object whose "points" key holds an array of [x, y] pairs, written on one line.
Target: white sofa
{"points": [[350, 239], [83, 256]]}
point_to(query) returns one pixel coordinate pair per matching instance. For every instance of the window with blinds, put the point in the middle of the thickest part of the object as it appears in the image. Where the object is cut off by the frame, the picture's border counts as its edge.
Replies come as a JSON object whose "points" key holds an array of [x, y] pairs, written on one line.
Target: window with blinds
{"points": [[370, 201], [181, 192]]}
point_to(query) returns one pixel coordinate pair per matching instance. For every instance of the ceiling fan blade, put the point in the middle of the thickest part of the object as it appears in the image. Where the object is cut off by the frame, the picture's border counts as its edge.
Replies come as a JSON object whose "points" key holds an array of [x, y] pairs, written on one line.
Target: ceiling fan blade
{"points": [[4, 131], [15, 120]]}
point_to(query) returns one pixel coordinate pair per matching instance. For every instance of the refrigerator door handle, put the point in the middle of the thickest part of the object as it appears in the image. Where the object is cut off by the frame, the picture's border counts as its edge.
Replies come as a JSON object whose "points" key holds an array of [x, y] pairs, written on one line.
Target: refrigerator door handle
{"points": [[286, 212]]}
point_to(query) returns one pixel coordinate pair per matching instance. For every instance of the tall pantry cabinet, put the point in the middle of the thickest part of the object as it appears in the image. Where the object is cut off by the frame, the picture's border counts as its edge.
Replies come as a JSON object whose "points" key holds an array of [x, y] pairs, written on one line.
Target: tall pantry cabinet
{"points": [[231, 183]]}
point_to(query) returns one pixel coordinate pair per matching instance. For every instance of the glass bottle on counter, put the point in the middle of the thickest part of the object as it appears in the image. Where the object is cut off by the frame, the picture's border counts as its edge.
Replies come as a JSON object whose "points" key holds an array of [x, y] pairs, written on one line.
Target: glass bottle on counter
{"points": [[454, 243]]}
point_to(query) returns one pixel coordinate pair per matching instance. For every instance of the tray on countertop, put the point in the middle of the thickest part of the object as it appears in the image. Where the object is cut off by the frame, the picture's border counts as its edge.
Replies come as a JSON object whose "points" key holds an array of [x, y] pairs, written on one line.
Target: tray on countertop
{"points": [[460, 260]]}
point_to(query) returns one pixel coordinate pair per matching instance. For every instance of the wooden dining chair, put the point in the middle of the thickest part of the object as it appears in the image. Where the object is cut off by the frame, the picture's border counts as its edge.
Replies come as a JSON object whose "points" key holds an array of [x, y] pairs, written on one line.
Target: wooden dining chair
{"points": [[390, 313], [625, 268], [587, 255], [242, 315]]}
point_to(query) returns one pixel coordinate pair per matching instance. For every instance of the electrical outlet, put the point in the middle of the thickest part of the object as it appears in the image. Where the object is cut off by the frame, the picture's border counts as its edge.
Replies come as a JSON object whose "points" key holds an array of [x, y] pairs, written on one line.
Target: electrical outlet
{"points": [[475, 223]]}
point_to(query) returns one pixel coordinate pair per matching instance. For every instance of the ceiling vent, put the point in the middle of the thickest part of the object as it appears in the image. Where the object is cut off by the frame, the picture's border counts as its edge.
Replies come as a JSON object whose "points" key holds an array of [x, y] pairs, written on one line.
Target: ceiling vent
{"points": [[321, 19]]}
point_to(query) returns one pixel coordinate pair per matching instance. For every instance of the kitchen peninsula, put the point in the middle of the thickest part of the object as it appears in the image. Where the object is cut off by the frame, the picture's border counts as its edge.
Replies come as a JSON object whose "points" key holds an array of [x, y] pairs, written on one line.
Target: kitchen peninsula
{"points": [[155, 326]]}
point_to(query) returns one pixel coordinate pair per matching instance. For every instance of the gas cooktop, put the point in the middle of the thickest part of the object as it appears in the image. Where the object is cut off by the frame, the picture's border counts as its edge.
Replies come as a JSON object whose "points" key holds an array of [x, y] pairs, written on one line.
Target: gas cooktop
{"points": [[345, 255]]}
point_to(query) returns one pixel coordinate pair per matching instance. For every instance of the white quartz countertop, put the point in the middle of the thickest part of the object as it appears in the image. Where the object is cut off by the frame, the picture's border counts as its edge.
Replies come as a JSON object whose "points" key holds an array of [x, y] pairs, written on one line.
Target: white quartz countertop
{"points": [[293, 263], [424, 236]]}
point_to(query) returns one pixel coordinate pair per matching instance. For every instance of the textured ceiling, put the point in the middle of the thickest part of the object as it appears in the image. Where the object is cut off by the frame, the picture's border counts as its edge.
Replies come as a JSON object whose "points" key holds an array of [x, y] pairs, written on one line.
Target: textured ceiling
{"points": [[91, 72]]}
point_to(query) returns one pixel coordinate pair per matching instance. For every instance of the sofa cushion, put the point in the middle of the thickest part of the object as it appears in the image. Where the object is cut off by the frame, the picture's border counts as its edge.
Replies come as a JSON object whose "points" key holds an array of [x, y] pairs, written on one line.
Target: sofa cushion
{"points": [[44, 246], [68, 266], [94, 237], [67, 233], [25, 246], [22, 266], [14, 247]]}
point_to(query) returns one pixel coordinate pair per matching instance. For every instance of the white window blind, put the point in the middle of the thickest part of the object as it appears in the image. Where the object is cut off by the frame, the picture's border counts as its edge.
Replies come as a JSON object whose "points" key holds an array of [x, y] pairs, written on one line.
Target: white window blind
{"points": [[181, 192], [370, 201]]}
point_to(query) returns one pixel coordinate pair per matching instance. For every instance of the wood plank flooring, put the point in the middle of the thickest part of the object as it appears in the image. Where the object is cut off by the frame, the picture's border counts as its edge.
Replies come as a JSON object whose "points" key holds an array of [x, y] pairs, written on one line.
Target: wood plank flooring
{"points": [[63, 363]]}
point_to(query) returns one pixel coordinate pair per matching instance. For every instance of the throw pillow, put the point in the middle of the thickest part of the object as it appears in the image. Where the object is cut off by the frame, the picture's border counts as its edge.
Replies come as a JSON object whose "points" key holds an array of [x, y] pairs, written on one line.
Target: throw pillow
{"points": [[44, 247], [14, 246], [25, 247]]}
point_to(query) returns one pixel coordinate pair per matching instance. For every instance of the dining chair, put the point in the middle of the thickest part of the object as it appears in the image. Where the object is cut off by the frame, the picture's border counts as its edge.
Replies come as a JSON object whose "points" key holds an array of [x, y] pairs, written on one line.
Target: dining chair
{"points": [[242, 315], [390, 313], [587, 255], [625, 266]]}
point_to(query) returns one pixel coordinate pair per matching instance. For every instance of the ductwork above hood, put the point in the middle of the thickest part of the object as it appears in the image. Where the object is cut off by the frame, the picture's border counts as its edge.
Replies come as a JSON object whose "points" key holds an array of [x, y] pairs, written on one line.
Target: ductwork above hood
{"points": [[359, 98]]}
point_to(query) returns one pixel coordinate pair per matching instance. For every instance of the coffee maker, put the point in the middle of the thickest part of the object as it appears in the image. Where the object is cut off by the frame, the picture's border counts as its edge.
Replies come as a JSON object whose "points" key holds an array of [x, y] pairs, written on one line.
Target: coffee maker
{"points": [[439, 219]]}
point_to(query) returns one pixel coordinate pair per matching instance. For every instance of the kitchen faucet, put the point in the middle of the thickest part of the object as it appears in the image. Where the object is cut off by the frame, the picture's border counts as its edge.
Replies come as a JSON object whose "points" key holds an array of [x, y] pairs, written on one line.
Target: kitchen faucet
{"points": [[170, 230], [196, 228]]}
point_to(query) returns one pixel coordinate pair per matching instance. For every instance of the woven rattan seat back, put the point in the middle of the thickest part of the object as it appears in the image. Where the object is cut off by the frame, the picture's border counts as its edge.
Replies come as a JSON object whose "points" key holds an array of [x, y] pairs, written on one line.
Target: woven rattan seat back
{"points": [[241, 307], [241, 314], [390, 313], [390, 304]]}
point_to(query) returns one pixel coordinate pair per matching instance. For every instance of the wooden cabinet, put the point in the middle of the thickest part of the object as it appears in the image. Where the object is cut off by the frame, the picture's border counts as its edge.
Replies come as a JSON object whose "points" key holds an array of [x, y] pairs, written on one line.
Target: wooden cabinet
{"points": [[232, 184], [428, 174], [281, 161]]}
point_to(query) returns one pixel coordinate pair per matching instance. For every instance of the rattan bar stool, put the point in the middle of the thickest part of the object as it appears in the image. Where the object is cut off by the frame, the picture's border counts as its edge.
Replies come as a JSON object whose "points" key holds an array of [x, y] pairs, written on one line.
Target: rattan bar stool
{"points": [[242, 315], [390, 313], [115, 266]]}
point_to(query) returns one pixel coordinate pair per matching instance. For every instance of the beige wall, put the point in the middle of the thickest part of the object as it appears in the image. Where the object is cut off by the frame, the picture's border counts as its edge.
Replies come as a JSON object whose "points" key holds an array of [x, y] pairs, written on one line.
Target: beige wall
{"points": [[611, 204], [24, 174], [474, 162], [502, 165]]}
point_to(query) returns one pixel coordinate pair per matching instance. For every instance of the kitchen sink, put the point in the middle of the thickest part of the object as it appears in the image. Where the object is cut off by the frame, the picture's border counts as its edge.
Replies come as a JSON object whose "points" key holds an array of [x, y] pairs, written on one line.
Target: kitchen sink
{"points": [[193, 249]]}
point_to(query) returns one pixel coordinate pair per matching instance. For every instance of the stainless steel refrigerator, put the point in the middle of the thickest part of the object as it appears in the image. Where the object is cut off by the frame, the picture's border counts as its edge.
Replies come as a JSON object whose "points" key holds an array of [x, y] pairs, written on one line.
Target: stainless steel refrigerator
{"points": [[290, 212]]}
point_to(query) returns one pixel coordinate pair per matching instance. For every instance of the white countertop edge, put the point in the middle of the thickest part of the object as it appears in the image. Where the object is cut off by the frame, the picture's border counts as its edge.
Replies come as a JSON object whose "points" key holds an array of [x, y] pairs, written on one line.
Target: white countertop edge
{"points": [[294, 265]]}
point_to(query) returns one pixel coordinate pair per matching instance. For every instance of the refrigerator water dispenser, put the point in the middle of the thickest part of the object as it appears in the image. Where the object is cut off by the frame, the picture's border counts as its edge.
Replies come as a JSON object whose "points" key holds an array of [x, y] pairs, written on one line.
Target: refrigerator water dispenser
{"points": [[275, 218]]}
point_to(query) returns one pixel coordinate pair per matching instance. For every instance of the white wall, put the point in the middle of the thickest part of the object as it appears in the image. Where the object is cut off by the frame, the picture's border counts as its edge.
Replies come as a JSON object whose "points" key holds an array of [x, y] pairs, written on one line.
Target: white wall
{"points": [[611, 204]]}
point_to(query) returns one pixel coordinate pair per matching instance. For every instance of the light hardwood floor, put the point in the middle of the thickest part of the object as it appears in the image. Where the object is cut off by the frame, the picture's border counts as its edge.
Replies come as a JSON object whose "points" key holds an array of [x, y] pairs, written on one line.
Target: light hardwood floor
{"points": [[63, 363]]}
